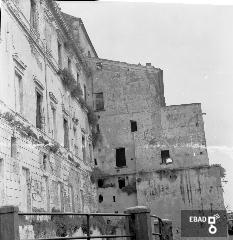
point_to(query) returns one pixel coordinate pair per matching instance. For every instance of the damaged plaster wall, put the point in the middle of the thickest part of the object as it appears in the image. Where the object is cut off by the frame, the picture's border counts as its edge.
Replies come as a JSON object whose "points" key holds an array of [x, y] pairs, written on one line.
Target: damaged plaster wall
{"points": [[168, 191]]}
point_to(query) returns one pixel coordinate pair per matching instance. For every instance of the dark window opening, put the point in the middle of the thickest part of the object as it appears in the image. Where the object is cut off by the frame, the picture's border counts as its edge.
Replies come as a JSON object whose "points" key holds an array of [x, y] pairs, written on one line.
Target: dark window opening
{"points": [[99, 65], [134, 127], [85, 92], [201, 153], [197, 124], [20, 82], [33, 14], [108, 221], [59, 54], [69, 64], [13, 147], [101, 198], [45, 161], [120, 157], [121, 182], [66, 133], [95, 161], [99, 101], [98, 128], [38, 110], [116, 211], [114, 198], [84, 148], [165, 156], [100, 182]]}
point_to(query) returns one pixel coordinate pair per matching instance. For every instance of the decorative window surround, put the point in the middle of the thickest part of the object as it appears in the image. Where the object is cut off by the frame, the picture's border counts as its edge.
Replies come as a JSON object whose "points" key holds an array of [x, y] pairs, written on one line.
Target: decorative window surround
{"points": [[38, 83], [20, 66], [53, 98]]}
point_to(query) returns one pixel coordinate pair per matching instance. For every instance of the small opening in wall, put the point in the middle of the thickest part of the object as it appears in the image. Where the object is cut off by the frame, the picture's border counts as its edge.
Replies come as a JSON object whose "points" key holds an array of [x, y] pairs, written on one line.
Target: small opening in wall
{"points": [[101, 198], [121, 182], [13, 147], [114, 198], [44, 161], [100, 182], [95, 161], [201, 153], [165, 156], [108, 221], [116, 211], [134, 127], [197, 124], [120, 157]]}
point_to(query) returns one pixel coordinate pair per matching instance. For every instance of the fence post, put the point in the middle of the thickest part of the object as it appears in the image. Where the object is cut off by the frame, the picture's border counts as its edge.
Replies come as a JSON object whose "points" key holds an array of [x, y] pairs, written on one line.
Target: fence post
{"points": [[9, 223], [140, 222]]}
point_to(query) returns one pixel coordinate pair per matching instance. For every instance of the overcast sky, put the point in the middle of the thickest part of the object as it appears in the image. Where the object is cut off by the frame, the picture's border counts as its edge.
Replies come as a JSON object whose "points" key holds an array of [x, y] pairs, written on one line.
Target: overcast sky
{"points": [[193, 44]]}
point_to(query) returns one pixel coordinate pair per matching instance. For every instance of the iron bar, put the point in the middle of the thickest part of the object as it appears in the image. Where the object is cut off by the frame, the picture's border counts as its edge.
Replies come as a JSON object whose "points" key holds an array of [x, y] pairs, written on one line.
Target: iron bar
{"points": [[78, 214], [84, 237]]}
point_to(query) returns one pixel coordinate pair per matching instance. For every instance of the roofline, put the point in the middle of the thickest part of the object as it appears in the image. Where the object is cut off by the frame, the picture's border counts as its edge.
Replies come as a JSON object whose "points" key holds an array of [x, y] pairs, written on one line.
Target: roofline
{"points": [[88, 38], [125, 63], [84, 30]]}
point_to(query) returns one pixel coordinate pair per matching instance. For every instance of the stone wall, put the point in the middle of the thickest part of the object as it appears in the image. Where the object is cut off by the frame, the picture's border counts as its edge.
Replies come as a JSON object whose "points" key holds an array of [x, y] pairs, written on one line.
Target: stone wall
{"points": [[167, 192]]}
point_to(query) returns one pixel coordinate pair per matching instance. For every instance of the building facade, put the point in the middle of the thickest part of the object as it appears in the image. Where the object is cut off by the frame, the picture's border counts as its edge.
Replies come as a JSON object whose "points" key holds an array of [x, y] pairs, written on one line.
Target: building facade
{"points": [[149, 153], [46, 152]]}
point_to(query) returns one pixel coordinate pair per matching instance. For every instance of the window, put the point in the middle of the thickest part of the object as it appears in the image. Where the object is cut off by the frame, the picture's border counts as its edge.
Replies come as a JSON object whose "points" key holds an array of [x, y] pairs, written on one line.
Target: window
{"points": [[95, 162], [71, 198], [38, 110], [165, 156], [84, 148], [69, 64], [66, 133], [98, 128], [25, 190], [33, 19], [59, 54], [114, 199], [121, 182], [133, 126], [13, 147], [59, 196], [45, 193], [85, 92], [20, 91], [54, 131], [100, 182], [101, 198], [44, 161], [99, 101], [77, 77], [120, 157]]}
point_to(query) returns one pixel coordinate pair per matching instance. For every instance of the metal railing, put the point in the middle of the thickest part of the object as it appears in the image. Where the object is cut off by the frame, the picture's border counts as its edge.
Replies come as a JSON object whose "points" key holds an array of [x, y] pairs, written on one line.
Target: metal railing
{"points": [[160, 224], [88, 230]]}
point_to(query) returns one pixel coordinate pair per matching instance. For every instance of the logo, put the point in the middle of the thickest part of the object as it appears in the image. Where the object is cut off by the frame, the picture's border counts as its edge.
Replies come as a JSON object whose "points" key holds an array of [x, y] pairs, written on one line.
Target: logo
{"points": [[203, 223]]}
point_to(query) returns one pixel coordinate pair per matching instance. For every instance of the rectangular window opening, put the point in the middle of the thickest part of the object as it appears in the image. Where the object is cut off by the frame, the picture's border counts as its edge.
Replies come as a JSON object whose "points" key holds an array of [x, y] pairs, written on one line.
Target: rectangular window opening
{"points": [[134, 127], [59, 54], [38, 110], [114, 198], [165, 156], [54, 123], [99, 101], [66, 133], [120, 157], [121, 182], [13, 147]]}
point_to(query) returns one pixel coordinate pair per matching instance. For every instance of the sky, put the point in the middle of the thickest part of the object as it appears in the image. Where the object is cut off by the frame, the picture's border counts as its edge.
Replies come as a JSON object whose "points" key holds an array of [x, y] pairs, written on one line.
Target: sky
{"points": [[193, 44]]}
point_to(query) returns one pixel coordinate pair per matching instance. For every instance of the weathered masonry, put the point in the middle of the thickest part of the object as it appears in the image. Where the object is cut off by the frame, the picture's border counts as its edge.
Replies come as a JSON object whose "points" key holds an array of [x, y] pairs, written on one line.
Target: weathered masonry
{"points": [[149, 153], [46, 153]]}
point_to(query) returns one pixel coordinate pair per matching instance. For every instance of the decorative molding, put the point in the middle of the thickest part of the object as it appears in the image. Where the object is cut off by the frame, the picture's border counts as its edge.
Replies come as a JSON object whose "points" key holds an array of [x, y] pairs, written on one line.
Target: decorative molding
{"points": [[66, 112], [53, 98], [19, 62], [38, 83]]}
